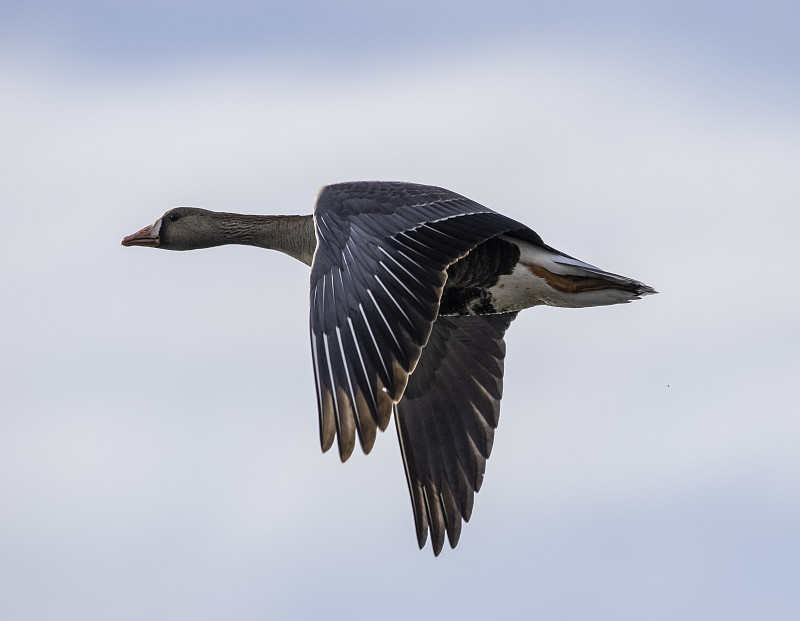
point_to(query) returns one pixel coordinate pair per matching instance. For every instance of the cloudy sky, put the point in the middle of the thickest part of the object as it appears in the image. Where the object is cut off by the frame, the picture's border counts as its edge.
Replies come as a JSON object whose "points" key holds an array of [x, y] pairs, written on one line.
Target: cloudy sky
{"points": [[158, 444]]}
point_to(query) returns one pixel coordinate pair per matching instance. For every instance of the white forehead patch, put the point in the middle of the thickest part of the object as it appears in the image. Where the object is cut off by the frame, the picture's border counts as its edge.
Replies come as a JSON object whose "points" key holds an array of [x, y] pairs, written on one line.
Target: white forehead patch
{"points": [[155, 228]]}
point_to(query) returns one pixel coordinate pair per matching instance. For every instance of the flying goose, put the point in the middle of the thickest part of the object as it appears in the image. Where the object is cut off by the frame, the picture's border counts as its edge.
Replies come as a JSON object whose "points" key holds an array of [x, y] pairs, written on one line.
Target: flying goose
{"points": [[412, 290]]}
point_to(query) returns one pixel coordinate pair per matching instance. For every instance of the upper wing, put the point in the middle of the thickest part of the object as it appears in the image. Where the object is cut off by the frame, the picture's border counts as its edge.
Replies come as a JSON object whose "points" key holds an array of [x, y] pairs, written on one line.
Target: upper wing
{"points": [[376, 281], [446, 421]]}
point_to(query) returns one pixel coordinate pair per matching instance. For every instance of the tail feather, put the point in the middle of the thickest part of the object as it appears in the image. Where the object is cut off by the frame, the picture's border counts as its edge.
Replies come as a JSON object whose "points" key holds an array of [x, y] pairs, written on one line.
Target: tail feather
{"points": [[575, 267], [546, 276]]}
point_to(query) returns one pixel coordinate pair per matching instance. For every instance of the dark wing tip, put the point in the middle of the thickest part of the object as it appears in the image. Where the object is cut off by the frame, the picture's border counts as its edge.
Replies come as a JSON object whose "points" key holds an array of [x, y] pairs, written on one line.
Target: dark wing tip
{"points": [[446, 420]]}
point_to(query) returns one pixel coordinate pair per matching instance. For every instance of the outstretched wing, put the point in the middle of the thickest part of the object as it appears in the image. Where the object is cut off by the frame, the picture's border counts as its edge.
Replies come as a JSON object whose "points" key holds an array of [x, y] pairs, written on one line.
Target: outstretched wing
{"points": [[376, 280], [446, 421]]}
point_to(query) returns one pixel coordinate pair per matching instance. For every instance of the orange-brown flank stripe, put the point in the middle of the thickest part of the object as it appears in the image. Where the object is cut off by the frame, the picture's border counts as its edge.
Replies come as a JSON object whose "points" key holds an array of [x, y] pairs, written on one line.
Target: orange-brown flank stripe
{"points": [[571, 284]]}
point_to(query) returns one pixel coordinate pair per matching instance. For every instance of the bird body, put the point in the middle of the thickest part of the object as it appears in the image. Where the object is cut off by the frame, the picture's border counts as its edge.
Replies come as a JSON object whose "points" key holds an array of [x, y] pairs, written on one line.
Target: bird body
{"points": [[412, 290]]}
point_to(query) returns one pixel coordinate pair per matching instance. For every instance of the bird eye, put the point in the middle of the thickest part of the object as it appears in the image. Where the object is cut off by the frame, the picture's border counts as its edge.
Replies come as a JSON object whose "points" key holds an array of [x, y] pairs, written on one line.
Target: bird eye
{"points": [[174, 216]]}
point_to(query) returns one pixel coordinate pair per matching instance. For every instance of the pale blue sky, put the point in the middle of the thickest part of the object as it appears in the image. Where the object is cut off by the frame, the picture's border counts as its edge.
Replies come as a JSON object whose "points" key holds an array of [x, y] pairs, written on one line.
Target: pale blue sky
{"points": [[158, 444], [759, 37]]}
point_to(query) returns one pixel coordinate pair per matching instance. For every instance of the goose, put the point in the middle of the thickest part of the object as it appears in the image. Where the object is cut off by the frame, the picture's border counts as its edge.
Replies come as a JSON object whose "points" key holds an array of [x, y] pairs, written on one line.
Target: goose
{"points": [[412, 290]]}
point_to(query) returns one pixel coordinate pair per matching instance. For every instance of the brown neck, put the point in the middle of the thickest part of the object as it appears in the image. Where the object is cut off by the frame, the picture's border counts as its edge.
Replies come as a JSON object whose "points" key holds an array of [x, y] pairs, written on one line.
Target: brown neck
{"points": [[292, 235]]}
